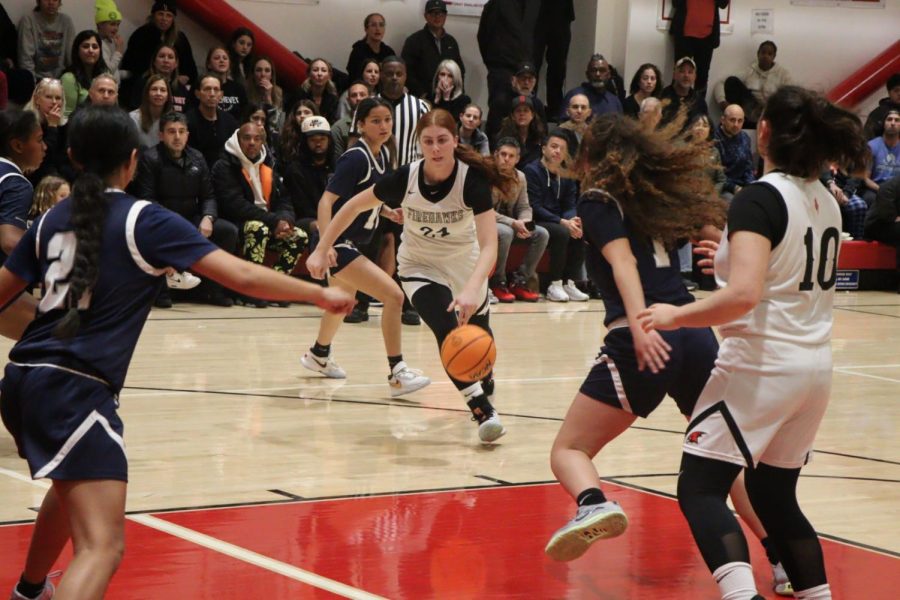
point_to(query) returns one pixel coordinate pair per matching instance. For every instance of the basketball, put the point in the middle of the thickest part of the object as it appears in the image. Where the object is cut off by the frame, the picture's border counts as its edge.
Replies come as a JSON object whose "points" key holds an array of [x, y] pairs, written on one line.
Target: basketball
{"points": [[468, 353]]}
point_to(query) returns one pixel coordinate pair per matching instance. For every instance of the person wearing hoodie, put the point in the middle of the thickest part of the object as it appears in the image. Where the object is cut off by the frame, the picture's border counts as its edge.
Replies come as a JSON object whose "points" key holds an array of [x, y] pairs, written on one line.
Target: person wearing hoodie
{"points": [[249, 193], [874, 126], [45, 40], [751, 89]]}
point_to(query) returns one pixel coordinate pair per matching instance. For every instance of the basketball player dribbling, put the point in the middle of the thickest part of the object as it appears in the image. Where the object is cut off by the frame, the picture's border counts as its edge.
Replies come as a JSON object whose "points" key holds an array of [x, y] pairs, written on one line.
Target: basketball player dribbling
{"points": [[761, 409], [449, 241]]}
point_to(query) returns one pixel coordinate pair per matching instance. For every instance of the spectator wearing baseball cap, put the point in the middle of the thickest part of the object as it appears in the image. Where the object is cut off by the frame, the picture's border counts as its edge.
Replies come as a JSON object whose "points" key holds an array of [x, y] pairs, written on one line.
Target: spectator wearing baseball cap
{"points": [[142, 45], [307, 172], [599, 88], [424, 50], [524, 83], [524, 125], [682, 93]]}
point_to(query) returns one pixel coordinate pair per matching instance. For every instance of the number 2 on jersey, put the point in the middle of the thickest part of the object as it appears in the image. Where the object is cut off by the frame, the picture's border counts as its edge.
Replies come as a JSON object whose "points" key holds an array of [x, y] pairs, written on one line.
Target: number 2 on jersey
{"points": [[431, 233], [61, 258], [828, 250]]}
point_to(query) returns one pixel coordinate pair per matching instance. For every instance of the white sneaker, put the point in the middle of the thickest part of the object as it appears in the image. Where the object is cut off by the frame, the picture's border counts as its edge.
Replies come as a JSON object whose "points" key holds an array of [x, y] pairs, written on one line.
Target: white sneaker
{"points": [[591, 523], [491, 429], [182, 281], [46, 593], [404, 380], [556, 293], [491, 297], [781, 583], [574, 294], [326, 366]]}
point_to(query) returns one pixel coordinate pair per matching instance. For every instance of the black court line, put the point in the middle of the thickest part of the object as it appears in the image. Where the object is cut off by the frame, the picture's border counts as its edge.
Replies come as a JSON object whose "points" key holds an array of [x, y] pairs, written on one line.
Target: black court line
{"points": [[881, 460], [286, 494], [869, 312], [497, 481]]}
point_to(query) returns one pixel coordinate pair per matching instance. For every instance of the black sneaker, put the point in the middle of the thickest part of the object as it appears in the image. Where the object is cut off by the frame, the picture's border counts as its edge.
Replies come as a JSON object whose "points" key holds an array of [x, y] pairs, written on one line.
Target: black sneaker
{"points": [[690, 284], [219, 299], [410, 317], [163, 299], [357, 315], [251, 302]]}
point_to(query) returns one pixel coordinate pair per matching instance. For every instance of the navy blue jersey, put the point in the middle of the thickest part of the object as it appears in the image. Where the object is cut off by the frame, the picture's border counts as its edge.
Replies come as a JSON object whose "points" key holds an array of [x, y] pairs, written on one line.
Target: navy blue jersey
{"points": [[658, 268], [358, 170], [15, 197], [140, 239]]}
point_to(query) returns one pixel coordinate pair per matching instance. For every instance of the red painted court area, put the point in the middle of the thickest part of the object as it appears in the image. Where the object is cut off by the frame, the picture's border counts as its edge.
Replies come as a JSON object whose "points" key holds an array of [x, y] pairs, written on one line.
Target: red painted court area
{"points": [[483, 543]]}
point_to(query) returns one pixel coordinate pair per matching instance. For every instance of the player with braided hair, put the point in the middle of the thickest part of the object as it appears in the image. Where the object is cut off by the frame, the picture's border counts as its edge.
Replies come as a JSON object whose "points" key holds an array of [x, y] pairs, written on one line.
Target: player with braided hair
{"points": [[100, 256]]}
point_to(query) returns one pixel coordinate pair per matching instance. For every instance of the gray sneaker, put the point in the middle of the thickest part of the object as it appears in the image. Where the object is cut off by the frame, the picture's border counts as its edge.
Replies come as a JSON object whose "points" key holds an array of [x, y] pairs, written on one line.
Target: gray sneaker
{"points": [[591, 523], [781, 583]]}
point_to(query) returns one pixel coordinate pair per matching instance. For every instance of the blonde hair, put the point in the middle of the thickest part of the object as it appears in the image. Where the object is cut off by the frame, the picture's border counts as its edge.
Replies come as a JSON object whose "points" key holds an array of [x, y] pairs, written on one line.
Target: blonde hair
{"points": [[45, 194], [42, 85]]}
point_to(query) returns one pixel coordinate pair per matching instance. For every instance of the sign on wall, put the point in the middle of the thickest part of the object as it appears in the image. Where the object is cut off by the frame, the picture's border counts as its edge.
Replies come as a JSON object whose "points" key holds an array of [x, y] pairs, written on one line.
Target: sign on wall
{"points": [[468, 8], [844, 3], [664, 17]]}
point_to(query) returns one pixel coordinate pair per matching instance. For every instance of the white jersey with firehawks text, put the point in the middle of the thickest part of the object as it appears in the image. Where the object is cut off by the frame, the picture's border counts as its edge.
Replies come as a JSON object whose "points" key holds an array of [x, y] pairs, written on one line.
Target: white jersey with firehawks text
{"points": [[439, 241], [796, 304]]}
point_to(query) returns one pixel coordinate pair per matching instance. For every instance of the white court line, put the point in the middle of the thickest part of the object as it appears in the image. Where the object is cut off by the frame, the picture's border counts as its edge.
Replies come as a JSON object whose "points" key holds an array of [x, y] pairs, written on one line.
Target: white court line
{"points": [[866, 366], [253, 558], [878, 377], [237, 552]]}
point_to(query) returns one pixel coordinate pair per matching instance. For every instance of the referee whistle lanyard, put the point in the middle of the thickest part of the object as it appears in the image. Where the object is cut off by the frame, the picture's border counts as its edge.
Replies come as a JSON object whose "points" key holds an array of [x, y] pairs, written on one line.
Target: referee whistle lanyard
{"points": [[550, 183]]}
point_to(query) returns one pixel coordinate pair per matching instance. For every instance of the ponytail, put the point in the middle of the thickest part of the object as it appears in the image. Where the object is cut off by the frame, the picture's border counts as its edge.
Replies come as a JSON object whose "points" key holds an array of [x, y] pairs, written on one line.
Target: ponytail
{"points": [[90, 202], [90, 205], [808, 132]]}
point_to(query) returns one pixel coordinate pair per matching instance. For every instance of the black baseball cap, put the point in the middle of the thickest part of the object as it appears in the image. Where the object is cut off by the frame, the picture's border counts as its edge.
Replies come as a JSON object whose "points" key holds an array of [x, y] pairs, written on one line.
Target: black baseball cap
{"points": [[436, 5], [526, 68]]}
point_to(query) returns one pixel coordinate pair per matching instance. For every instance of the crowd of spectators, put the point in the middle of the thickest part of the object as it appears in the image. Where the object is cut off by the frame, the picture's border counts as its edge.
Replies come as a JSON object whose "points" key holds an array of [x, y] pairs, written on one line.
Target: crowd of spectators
{"points": [[246, 158]]}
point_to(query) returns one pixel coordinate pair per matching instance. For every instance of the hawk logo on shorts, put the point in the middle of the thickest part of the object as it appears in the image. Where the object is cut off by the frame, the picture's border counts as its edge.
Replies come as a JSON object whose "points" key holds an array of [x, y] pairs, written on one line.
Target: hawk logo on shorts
{"points": [[694, 437]]}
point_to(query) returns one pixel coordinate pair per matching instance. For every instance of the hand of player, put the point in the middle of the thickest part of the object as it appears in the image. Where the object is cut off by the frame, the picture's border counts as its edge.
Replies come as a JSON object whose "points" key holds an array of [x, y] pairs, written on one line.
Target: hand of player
{"points": [[658, 316], [651, 349], [520, 229], [392, 214], [320, 261], [206, 226], [707, 249], [336, 300], [465, 304]]}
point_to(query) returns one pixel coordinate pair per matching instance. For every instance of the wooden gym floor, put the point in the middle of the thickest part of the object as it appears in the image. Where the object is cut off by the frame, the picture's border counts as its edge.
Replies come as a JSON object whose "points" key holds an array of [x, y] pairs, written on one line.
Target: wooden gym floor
{"points": [[252, 478]]}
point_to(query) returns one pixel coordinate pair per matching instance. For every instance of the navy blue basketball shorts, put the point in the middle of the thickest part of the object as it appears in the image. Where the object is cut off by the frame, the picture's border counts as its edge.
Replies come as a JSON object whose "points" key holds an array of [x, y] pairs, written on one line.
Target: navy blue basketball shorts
{"points": [[64, 423], [346, 252], [615, 379]]}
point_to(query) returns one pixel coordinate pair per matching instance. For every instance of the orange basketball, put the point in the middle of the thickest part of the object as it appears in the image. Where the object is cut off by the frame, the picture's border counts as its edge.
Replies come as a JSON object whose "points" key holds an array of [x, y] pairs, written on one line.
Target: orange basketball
{"points": [[468, 353]]}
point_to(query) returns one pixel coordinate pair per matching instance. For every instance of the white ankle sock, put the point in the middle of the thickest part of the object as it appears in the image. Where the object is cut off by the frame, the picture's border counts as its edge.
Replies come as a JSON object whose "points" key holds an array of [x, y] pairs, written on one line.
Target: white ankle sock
{"points": [[820, 592], [472, 391], [735, 581]]}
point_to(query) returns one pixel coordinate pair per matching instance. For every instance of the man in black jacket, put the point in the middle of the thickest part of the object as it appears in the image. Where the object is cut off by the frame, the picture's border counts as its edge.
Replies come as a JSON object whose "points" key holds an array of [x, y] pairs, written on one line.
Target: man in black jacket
{"points": [[210, 126], [177, 177], [505, 34], [249, 193], [424, 50]]}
